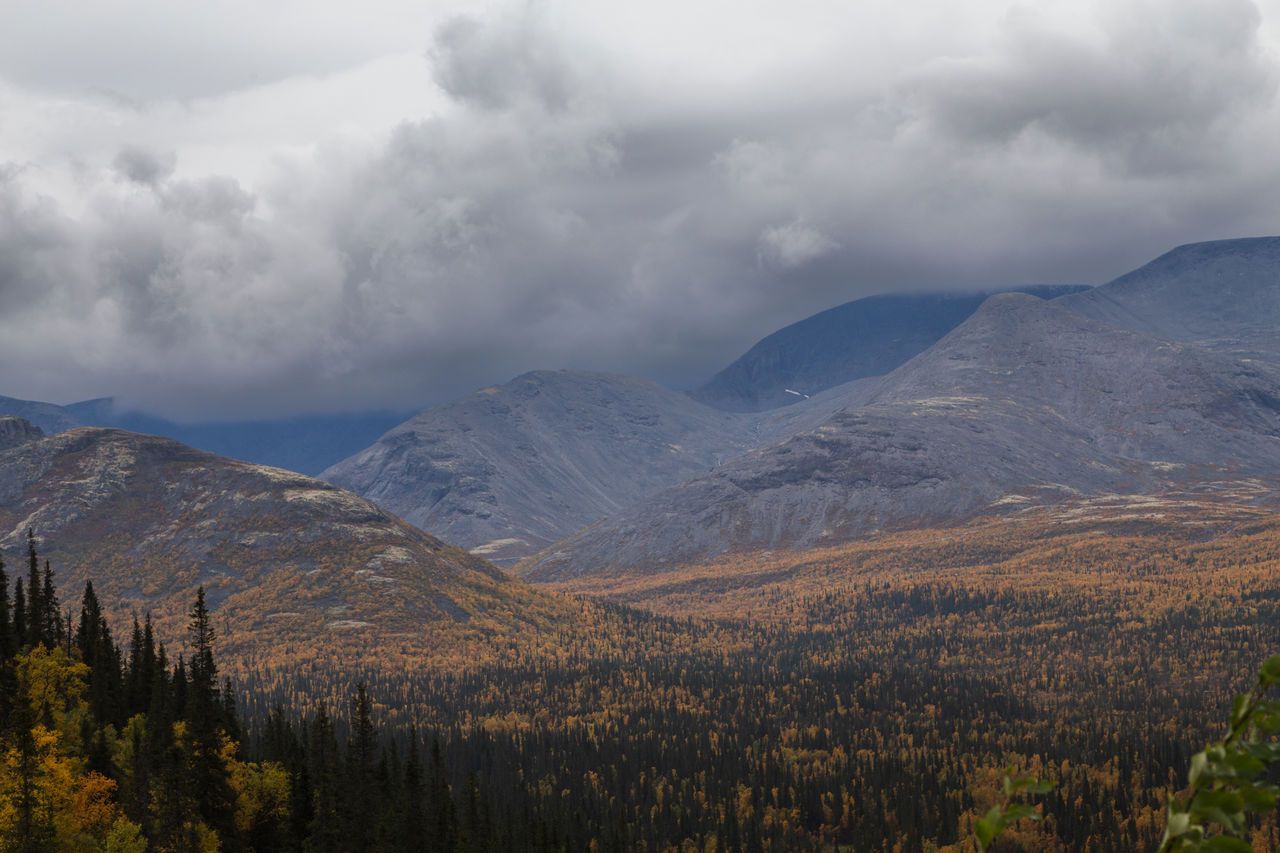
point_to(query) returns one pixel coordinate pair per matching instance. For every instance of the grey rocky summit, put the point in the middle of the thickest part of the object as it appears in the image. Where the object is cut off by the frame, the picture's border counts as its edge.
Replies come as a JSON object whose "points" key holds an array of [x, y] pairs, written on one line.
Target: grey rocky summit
{"points": [[16, 431]]}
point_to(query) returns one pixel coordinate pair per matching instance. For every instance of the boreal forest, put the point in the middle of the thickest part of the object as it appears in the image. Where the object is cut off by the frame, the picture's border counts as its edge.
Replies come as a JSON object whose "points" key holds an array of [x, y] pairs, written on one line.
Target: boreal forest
{"points": [[817, 730]]}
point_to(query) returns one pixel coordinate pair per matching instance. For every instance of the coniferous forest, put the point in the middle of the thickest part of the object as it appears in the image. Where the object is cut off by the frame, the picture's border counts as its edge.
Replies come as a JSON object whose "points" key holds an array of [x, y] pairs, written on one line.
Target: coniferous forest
{"points": [[652, 733]]}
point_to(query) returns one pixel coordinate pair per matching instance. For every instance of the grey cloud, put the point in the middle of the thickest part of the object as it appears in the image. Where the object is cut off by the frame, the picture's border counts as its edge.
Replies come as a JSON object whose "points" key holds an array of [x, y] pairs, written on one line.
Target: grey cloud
{"points": [[548, 218], [794, 244], [1150, 94], [499, 66], [143, 166]]}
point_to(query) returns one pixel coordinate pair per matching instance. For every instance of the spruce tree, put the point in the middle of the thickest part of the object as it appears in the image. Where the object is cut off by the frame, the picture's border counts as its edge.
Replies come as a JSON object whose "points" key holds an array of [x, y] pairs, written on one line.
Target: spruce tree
{"points": [[414, 835], [51, 632], [326, 829], [362, 747], [19, 616], [210, 779], [35, 618], [7, 645]]}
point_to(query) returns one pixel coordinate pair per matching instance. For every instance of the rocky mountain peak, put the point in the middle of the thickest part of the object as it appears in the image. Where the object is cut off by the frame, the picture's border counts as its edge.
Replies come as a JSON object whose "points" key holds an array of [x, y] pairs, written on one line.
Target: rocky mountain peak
{"points": [[15, 431]]}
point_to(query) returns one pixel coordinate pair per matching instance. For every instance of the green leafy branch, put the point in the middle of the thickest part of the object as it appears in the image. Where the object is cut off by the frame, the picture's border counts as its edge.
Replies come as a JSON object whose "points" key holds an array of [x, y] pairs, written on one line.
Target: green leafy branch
{"points": [[1228, 780], [1009, 811]]}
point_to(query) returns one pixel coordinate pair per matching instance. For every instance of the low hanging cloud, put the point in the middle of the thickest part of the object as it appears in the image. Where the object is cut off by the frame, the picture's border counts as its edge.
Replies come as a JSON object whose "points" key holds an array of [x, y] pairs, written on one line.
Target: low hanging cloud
{"points": [[794, 244], [545, 207]]}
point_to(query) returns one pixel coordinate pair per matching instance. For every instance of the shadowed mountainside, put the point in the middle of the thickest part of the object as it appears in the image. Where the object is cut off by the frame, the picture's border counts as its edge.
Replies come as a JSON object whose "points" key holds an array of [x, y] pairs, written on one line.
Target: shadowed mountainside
{"points": [[860, 339], [515, 467], [1024, 402], [1222, 295]]}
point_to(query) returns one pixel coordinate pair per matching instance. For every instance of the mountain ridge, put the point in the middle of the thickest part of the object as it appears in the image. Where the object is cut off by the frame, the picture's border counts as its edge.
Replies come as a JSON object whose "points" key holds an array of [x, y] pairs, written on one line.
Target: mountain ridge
{"points": [[860, 339], [1222, 295], [286, 560], [306, 443], [1021, 403]]}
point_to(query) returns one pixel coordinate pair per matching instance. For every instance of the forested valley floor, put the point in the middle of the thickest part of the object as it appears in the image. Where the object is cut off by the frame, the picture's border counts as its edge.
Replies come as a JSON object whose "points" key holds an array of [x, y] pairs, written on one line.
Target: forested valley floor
{"points": [[860, 698]]}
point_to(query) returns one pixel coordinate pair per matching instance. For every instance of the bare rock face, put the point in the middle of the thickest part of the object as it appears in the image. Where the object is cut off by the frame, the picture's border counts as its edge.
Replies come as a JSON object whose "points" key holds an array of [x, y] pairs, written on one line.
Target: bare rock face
{"points": [[1222, 295], [1024, 402], [284, 557], [512, 468], [16, 431]]}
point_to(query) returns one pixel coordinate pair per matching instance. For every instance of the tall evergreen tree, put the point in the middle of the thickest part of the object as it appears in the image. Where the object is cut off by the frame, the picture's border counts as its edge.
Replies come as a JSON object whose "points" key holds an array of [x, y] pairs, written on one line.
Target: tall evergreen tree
{"points": [[19, 616], [414, 834], [7, 644], [362, 749], [8, 647], [210, 780], [51, 630], [35, 617], [326, 822]]}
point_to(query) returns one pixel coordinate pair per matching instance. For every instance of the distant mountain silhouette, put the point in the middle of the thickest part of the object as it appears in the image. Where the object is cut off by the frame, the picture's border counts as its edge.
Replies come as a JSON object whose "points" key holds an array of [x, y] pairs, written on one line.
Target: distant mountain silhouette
{"points": [[307, 444], [863, 338]]}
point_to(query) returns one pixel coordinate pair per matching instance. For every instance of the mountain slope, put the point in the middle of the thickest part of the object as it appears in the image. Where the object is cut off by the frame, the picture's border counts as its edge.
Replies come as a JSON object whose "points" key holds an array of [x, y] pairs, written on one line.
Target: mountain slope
{"points": [[307, 444], [860, 339], [46, 416], [515, 467], [1024, 401], [1222, 295], [286, 559]]}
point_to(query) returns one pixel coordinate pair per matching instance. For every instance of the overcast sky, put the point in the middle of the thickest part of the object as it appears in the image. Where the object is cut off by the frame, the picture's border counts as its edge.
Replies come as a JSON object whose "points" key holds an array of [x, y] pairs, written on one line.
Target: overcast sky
{"points": [[257, 208]]}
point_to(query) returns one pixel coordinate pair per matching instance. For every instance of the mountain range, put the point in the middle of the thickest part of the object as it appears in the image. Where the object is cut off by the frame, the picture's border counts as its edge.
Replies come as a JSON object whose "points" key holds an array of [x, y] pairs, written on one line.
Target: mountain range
{"points": [[1026, 401], [985, 405], [860, 418]]}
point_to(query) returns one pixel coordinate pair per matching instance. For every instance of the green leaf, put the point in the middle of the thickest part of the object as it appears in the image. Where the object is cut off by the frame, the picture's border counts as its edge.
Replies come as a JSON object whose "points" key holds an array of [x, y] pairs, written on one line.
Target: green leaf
{"points": [[1178, 824], [1258, 799], [1199, 763], [1018, 811], [986, 830], [1243, 765], [1226, 844], [1270, 671], [1239, 710]]}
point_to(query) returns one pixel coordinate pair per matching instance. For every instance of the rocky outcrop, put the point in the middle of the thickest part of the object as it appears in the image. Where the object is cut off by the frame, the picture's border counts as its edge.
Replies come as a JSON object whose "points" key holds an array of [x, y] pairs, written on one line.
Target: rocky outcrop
{"points": [[16, 431]]}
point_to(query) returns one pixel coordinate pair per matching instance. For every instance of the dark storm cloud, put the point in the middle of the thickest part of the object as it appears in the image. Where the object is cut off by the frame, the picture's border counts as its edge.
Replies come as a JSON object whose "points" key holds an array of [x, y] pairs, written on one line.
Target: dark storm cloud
{"points": [[556, 212], [1150, 95], [499, 66], [143, 166]]}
